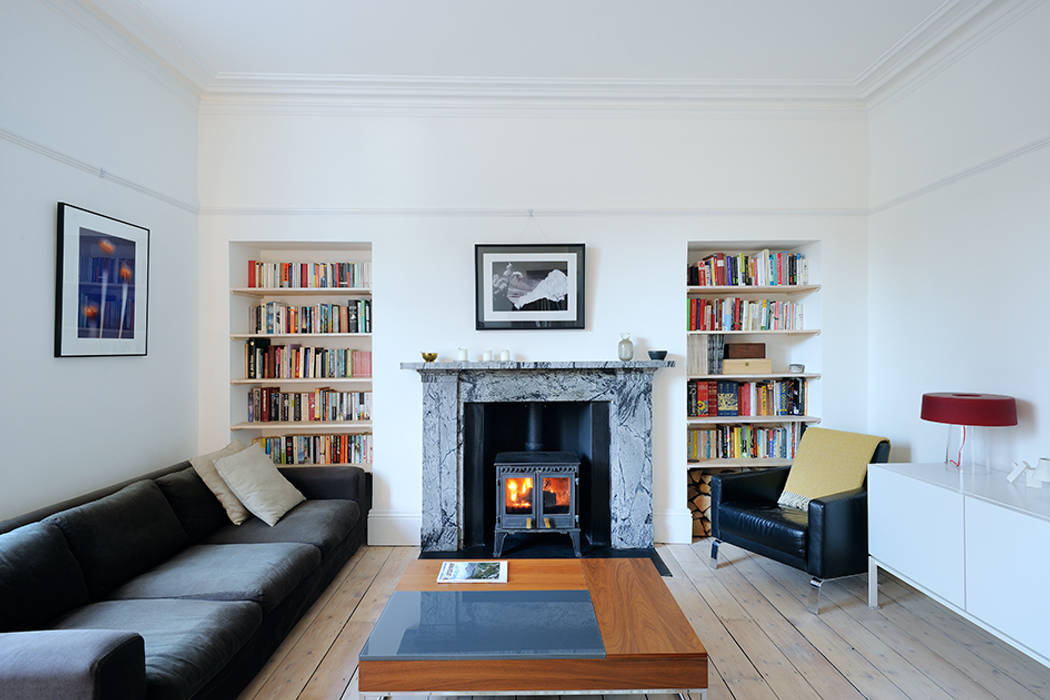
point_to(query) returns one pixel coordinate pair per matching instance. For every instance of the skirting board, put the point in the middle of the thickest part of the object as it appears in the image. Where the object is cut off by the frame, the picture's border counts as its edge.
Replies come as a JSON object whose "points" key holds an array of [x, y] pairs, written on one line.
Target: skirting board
{"points": [[400, 528], [393, 528]]}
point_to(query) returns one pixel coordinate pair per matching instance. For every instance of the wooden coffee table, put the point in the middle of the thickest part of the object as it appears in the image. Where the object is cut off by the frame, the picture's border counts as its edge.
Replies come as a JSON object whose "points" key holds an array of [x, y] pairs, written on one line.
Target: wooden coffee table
{"points": [[646, 643]]}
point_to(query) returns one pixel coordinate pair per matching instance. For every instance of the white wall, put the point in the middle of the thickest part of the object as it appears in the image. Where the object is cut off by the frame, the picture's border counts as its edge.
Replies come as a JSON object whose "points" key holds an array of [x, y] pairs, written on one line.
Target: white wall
{"points": [[959, 241], [74, 98], [302, 166]]}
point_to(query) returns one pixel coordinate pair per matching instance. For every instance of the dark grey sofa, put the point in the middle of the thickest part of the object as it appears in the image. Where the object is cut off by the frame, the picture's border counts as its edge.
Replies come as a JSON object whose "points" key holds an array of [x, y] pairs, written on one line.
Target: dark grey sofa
{"points": [[146, 590]]}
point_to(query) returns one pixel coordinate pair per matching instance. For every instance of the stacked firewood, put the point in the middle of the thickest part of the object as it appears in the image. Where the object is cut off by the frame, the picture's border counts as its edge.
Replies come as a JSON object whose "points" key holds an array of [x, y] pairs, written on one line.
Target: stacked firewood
{"points": [[698, 491]]}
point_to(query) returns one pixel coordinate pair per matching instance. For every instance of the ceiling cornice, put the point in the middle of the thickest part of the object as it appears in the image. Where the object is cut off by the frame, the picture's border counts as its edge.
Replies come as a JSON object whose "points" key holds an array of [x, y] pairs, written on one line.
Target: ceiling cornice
{"points": [[937, 41]]}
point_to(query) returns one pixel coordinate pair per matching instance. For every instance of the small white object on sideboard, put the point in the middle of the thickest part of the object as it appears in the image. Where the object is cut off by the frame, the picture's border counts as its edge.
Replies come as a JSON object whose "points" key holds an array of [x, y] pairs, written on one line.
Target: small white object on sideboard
{"points": [[972, 541]]}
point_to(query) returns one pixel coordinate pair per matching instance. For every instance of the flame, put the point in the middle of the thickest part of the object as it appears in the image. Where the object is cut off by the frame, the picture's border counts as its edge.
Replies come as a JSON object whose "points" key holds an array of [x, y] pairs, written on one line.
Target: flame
{"points": [[519, 495]]}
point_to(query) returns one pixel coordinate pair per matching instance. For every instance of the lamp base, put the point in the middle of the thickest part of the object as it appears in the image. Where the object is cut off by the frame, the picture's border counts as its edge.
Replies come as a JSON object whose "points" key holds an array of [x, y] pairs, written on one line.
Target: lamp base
{"points": [[966, 447]]}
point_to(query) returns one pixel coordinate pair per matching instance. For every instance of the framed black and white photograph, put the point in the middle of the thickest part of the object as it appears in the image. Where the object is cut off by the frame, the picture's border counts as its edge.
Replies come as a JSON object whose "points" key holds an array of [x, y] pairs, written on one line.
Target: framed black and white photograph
{"points": [[101, 285], [529, 287]]}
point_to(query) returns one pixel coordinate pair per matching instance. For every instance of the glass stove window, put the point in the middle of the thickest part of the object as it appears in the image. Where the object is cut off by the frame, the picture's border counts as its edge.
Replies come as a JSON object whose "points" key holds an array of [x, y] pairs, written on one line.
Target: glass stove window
{"points": [[556, 494], [518, 496]]}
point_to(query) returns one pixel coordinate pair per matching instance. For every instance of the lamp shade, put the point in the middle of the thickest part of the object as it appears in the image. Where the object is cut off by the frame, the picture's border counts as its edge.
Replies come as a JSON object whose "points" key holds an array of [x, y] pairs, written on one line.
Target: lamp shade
{"points": [[969, 409]]}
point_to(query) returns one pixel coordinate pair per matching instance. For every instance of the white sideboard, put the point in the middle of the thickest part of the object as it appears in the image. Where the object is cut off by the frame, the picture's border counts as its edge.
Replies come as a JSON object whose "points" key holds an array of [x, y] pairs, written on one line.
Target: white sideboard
{"points": [[971, 540]]}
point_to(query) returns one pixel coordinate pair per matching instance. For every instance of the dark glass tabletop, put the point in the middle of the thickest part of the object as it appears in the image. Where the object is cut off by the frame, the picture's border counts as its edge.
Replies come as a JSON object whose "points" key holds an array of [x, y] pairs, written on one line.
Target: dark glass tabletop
{"points": [[483, 624]]}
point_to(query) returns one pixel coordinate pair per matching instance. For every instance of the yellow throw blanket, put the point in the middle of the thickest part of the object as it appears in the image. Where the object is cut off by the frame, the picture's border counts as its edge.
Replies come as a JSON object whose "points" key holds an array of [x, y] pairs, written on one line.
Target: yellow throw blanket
{"points": [[827, 462]]}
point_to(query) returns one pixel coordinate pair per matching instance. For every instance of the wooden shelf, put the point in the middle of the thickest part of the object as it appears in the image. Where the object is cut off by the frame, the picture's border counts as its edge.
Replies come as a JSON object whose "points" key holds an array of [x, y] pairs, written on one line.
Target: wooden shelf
{"points": [[297, 380], [242, 336], [812, 331], [359, 425], [723, 420], [745, 462], [776, 289], [301, 291], [750, 377]]}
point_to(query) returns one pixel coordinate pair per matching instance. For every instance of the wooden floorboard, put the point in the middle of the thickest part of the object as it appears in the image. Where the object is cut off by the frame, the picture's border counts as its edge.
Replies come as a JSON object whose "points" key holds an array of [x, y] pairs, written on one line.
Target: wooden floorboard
{"points": [[751, 616]]}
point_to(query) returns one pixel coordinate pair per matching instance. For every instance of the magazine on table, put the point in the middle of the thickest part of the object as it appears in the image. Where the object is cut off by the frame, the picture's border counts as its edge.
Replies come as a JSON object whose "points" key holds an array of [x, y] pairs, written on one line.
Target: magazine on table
{"points": [[473, 572]]}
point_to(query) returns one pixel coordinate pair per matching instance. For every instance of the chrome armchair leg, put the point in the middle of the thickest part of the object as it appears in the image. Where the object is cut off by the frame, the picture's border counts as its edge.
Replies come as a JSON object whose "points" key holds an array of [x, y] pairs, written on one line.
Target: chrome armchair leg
{"points": [[713, 561], [814, 594]]}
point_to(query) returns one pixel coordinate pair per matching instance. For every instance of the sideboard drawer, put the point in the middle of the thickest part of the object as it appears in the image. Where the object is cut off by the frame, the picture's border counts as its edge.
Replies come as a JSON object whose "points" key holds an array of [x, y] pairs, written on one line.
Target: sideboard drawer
{"points": [[915, 528]]}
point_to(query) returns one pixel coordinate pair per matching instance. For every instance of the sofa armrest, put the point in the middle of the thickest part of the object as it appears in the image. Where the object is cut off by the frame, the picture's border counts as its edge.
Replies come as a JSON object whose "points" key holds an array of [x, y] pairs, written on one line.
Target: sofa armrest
{"points": [[349, 483], [74, 663], [838, 534], [762, 486]]}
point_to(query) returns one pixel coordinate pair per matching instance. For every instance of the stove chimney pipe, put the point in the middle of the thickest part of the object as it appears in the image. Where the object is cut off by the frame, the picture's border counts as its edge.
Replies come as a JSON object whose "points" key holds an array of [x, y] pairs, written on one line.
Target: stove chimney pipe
{"points": [[534, 427]]}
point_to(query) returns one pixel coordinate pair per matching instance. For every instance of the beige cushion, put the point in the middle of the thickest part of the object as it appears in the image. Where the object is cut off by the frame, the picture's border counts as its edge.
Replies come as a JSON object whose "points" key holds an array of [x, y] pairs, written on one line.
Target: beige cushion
{"points": [[827, 462], [204, 465], [260, 487]]}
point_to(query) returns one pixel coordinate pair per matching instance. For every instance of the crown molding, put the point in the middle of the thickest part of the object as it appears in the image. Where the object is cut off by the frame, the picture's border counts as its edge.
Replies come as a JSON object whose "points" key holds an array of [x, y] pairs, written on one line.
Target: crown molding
{"points": [[144, 30], [941, 38], [90, 19], [985, 20]]}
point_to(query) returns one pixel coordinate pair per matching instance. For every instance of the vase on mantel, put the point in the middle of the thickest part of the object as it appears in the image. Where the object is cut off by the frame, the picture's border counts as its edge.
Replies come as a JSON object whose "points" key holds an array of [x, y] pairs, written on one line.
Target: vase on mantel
{"points": [[625, 348]]}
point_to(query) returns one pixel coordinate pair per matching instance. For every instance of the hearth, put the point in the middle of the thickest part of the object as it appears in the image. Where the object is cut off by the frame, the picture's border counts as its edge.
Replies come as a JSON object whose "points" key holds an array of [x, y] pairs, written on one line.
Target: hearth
{"points": [[537, 492]]}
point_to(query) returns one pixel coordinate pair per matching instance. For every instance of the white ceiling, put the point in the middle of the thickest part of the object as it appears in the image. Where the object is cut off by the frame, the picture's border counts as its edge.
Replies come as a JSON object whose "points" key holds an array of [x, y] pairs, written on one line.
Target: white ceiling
{"points": [[811, 42]]}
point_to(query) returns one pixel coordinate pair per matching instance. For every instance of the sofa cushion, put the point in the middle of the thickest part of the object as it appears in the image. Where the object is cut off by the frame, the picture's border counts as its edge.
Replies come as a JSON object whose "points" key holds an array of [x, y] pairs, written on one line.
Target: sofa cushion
{"points": [[187, 641], [204, 465], [777, 527], [194, 504], [323, 524], [254, 479], [121, 535], [262, 573], [39, 577]]}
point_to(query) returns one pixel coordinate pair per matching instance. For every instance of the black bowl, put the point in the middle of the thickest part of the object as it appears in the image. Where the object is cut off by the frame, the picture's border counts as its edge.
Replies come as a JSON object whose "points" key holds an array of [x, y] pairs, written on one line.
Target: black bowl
{"points": [[657, 354]]}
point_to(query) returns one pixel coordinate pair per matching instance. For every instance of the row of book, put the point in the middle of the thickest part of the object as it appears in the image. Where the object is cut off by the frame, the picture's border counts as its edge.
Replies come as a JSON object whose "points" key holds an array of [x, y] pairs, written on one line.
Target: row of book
{"points": [[705, 354], [277, 317], [309, 275], [269, 404], [771, 397], [737, 314], [264, 360], [744, 442], [318, 449], [763, 269]]}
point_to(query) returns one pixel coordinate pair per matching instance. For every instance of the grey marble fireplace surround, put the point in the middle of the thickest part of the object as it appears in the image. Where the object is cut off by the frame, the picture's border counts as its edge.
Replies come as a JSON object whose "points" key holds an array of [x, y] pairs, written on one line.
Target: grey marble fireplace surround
{"points": [[627, 386]]}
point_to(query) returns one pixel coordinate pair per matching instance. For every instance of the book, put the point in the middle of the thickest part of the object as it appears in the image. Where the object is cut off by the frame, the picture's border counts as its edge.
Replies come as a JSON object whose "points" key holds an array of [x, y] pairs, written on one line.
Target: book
{"points": [[473, 572]]}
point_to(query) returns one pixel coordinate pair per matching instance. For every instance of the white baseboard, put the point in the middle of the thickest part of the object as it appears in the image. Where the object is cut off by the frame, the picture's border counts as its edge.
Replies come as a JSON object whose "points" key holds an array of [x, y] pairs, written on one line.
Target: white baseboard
{"points": [[673, 526], [392, 528]]}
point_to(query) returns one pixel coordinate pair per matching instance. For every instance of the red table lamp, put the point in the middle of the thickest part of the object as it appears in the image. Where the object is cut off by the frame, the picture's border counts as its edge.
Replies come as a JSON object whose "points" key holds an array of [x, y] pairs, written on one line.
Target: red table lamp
{"points": [[956, 408]]}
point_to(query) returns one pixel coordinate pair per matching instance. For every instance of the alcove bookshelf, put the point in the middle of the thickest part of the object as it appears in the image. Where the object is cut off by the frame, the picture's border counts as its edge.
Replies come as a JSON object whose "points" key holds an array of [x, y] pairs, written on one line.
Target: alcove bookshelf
{"points": [[760, 291], [300, 350]]}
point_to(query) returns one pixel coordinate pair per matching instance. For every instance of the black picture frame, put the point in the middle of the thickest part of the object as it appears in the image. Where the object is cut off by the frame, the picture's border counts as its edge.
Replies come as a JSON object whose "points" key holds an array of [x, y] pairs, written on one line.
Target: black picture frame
{"points": [[101, 285], [529, 287]]}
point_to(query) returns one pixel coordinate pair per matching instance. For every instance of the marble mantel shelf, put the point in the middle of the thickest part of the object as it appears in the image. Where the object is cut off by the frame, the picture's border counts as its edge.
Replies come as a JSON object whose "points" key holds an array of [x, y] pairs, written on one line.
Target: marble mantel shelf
{"points": [[574, 364]]}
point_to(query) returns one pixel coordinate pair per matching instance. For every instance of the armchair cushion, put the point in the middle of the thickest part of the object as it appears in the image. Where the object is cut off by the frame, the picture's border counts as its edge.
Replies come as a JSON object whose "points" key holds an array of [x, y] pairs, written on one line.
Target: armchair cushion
{"points": [[774, 527], [827, 462]]}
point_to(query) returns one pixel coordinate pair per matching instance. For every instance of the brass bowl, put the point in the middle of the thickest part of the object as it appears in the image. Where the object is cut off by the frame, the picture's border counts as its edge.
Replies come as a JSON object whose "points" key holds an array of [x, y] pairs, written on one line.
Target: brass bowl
{"points": [[429, 356]]}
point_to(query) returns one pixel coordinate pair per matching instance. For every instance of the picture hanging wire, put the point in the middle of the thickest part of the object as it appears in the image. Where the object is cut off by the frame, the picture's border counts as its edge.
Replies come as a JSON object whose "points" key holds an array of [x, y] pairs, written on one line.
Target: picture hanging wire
{"points": [[531, 222]]}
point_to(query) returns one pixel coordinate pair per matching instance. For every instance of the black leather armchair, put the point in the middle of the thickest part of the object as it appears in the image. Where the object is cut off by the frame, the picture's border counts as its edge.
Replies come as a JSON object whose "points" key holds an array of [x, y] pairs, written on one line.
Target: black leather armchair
{"points": [[828, 540]]}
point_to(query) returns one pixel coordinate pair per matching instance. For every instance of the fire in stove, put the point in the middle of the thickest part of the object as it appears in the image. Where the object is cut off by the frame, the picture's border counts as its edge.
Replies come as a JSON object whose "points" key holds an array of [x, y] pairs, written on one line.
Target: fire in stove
{"points": [[519, 496]]}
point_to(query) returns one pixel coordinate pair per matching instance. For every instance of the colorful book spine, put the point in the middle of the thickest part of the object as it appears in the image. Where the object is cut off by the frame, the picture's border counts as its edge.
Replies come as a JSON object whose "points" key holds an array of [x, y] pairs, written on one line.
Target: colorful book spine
{"points": [[318, 449], [759, 269], [309, 275], [270, 404]]}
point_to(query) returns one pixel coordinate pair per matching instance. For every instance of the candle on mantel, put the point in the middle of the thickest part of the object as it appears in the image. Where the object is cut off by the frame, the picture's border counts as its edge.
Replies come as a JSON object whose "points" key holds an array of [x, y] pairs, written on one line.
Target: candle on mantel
{"points": [[486, 356], [461, 355], [504, 355]]}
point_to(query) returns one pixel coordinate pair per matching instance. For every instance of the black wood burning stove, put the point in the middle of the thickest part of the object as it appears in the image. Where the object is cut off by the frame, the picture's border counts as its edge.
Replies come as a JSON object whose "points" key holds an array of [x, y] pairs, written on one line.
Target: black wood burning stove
{"points": [[537, 492]]}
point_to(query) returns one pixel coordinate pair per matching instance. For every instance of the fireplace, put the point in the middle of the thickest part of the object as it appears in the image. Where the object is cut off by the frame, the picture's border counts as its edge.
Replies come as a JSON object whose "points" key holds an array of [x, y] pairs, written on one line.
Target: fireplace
{"points": [[601, 411], [536, 492]]}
